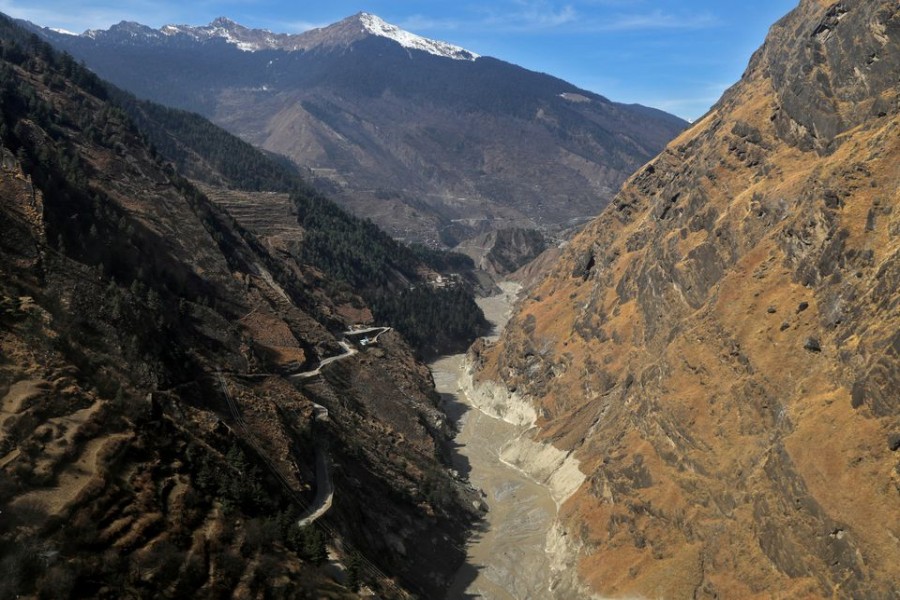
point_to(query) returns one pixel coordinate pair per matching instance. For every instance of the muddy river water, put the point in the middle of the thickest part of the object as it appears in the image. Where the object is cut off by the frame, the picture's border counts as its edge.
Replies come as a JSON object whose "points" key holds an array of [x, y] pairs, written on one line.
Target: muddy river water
{"points": [[506, 558]]}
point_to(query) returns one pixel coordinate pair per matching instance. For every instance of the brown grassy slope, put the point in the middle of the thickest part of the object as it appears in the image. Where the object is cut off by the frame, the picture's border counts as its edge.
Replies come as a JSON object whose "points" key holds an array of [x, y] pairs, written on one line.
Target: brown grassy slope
{"points": [[721, 346], [98, 500]]}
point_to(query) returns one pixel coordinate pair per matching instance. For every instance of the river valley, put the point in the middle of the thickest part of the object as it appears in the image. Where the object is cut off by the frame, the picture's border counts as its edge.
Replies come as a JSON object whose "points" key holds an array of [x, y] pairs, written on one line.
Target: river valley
{"points": [[506, 558]]}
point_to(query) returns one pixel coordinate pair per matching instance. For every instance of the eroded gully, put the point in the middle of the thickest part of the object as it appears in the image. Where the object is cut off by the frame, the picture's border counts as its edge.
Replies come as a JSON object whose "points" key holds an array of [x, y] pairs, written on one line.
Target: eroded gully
{"points": [[505, 558]]}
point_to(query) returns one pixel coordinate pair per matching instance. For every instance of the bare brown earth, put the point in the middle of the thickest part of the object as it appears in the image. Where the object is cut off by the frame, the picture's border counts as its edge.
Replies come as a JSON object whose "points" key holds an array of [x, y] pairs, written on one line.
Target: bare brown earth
{"points": [[720, 347], [100, 497]]}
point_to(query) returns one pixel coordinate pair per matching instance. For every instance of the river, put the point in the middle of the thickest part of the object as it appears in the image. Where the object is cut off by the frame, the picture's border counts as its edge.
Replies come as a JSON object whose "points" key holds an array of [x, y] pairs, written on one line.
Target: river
{"points": [[506, 558]]}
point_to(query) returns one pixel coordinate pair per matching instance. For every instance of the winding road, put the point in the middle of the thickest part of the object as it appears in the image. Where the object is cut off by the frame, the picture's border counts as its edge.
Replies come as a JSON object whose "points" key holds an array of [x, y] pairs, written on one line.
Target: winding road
{"points": [[324, 490], [380, 330], [349, 351], [324, 484]]}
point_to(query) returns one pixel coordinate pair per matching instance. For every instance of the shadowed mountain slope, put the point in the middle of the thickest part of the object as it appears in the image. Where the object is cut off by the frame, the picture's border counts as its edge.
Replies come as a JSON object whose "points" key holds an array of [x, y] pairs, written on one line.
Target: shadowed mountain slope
{"points": [[151, 440]]}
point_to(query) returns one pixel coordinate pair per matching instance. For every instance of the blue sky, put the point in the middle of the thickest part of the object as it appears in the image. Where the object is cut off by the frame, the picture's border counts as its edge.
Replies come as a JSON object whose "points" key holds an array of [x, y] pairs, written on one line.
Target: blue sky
{"points": [[675, 55]]}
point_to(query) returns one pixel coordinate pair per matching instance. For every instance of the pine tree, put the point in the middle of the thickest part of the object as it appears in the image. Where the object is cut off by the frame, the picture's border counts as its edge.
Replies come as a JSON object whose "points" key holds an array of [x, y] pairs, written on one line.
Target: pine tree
{"points": [[354, 572], [313, 548]]}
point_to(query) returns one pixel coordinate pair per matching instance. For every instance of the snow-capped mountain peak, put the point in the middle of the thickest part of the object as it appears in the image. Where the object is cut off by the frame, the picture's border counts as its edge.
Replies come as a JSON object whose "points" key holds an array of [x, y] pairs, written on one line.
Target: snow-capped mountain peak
{"points": [[123, 29], [249, 40], [376, 26], [348, 31]]}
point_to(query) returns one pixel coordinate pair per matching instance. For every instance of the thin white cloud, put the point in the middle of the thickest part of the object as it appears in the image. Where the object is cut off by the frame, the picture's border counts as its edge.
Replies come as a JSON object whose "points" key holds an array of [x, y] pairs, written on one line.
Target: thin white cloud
{"points": [[655, 20], [511, 17], [627, 3], [425, 23], [529, 15], [543, 16], [43, 16]]}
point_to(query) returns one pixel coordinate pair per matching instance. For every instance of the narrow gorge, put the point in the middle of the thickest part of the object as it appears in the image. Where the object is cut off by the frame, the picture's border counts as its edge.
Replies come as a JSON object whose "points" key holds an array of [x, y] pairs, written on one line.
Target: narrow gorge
{"points": [[215, 378], [517, 552]]}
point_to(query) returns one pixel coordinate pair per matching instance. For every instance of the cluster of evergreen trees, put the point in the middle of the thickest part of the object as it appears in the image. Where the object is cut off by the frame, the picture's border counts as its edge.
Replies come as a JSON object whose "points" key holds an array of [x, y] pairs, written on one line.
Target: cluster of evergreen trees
{"points": [[351, 249], [385, 273], [443, 260], [177, 134], [432, 320]]}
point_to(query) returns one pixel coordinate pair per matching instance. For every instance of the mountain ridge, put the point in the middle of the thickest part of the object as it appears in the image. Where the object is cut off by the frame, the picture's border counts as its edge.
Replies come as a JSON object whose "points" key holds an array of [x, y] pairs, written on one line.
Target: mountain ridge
{"points": [[343, 32], [432, 149]]}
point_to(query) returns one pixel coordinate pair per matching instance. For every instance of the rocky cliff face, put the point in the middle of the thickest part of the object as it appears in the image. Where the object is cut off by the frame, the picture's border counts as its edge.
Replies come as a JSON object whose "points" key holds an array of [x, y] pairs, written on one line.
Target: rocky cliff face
{"points": [[503, 251], [720, 348]]}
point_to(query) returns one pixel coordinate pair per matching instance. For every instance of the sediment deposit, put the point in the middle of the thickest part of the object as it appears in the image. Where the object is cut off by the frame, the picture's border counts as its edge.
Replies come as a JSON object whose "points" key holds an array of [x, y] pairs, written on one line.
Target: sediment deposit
{"points": [[520, 551]]}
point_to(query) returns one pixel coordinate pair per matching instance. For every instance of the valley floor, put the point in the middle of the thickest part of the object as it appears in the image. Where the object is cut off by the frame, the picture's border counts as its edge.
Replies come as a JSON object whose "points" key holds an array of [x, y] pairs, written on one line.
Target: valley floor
{"points": [[506, 557]]}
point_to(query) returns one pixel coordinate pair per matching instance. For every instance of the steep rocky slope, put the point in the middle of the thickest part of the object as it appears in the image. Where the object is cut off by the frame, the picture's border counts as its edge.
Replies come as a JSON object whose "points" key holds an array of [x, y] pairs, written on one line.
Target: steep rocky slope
{"points": [[432, 143], [152, 441], [503, 251], [720, 348]]}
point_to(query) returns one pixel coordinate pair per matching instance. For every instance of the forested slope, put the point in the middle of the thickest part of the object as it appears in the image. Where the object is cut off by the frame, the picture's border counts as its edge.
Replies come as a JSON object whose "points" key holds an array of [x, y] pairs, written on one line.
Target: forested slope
{"points": [[150, 444]]}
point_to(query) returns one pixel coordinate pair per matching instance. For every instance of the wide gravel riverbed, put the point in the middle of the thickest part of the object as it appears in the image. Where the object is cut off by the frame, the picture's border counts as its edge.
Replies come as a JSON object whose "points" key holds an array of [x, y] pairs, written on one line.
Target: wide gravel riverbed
{"points": [[506, 559]]}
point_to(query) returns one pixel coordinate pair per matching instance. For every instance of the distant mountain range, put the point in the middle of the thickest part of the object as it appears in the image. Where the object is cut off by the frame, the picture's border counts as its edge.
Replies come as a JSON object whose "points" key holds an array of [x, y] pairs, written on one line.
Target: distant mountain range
{"points": [[430, 140], [253, 40]]}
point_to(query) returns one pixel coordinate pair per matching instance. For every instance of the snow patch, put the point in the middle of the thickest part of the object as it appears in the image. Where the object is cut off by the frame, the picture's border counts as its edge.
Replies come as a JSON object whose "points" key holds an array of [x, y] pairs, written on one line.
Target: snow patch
{"points": [[229, 37], [227, 30], [62, 31], [376, 26], [577, 98], [253, 40]]}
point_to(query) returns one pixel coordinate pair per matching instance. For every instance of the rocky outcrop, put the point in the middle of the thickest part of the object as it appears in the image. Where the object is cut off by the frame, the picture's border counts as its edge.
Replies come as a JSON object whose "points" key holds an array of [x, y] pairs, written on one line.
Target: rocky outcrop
{"points": [[845, 54], [544, 463], [503, 251], [556, 470], [494, 398], [719, 349], [563, 550]]}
